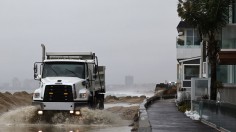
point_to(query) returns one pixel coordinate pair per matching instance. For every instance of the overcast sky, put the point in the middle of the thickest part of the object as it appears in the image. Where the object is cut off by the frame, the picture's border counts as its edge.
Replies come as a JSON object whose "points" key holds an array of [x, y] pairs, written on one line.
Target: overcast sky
{"points": [[130, 37]]}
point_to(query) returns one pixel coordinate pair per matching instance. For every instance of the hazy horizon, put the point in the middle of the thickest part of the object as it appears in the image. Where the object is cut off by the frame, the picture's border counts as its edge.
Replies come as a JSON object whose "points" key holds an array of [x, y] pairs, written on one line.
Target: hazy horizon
{"points": [[130, 37]]}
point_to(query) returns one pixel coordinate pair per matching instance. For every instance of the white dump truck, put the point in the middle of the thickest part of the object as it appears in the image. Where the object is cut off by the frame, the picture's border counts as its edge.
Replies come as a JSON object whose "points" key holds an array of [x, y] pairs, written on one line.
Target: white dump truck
{"points": [[68, 82]]}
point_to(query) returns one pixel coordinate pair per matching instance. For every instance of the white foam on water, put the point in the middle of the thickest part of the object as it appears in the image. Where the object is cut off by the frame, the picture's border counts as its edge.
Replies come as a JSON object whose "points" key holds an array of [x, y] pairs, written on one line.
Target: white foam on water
{"points": [[99, 117], [25, 119], [128, 93], [22, 115], [28, 115], [110, 105]]}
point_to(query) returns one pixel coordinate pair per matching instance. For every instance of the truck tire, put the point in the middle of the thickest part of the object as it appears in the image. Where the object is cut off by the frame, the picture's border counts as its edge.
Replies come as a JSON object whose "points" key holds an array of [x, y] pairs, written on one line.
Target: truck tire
{"points": [[93, 102], [101, 102], [90, 102]]}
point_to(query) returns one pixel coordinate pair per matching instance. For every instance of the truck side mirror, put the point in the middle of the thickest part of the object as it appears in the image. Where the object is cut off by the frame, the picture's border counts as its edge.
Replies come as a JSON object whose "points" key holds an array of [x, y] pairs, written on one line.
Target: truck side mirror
{"points": [[37, 77], [37, 70]]}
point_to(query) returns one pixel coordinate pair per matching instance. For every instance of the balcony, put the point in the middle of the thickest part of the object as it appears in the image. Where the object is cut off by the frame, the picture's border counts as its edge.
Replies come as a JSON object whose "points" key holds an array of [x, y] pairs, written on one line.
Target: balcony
{"points": [[187, 49]]}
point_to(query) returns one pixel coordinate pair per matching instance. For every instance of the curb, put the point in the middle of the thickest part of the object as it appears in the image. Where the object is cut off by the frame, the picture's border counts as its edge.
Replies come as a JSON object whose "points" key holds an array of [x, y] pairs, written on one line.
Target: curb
{"points": [[144, 124]]}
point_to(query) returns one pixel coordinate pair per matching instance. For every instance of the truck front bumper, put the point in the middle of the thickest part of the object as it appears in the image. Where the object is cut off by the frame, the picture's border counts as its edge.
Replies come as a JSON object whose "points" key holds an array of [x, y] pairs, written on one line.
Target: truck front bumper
{"points": [[60, 106]]}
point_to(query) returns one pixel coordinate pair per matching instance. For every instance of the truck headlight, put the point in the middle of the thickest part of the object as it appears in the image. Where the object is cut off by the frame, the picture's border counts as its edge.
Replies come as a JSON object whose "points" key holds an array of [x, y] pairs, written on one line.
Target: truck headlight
{"points": [[36, 95], [83, 95]]}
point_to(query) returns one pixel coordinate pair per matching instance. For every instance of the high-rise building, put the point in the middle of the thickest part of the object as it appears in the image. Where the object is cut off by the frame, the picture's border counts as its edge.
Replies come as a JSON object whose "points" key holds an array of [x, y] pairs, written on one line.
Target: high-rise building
{"points": [[129, 80]]}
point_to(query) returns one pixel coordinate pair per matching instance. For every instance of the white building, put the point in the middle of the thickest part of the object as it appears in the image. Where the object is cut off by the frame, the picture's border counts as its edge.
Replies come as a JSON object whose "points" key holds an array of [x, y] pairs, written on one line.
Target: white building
{"points": [[189, 56]]}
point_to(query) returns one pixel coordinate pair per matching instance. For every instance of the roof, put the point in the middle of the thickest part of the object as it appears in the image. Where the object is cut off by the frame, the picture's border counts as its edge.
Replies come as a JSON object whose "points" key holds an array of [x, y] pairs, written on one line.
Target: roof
{"points": [[70, 55], [69, 60], [183, 24]]}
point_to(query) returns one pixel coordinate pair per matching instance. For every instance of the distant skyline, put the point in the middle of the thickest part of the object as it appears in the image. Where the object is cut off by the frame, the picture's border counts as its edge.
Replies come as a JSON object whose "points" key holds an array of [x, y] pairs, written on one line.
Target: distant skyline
{"points": [[130, 37]]}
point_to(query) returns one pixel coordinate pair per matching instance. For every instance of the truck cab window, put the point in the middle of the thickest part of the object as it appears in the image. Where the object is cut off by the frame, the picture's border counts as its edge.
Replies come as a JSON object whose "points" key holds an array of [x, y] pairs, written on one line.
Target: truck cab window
{"points": [[70, 69]]}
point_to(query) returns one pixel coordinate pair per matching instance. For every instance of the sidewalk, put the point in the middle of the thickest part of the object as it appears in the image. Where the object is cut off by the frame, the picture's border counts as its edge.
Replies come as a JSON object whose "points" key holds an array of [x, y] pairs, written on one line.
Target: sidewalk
{"points": [[164, 117]]}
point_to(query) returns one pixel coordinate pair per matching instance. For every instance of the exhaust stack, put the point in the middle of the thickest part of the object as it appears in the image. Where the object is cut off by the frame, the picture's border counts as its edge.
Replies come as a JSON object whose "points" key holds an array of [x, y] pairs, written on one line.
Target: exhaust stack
{"points": [[43, 51]]}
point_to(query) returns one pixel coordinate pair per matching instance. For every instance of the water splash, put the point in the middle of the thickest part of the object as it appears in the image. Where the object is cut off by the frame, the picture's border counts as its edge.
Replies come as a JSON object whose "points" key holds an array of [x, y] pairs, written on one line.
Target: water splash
{"points": [[88, 117], [21, 115], [28, 115], [99, 117]]}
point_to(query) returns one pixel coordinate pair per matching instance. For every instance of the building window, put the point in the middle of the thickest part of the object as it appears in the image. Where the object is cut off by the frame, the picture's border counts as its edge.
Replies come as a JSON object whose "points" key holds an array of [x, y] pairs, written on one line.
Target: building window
{"points": [[232, 13], [189, 39], [192, 37], [226, 73], [228, 37], [222, 73], [191, 71], [197, 40]]}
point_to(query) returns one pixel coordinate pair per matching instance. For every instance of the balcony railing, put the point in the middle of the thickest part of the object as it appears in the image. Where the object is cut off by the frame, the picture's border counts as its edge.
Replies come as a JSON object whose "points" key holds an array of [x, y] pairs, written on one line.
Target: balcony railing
{"points": [[184, 44]]}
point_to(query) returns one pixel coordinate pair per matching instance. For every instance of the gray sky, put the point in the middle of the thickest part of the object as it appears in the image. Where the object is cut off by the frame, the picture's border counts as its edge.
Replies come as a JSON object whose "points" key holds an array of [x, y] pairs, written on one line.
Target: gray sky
{"points": [[130, 37]]}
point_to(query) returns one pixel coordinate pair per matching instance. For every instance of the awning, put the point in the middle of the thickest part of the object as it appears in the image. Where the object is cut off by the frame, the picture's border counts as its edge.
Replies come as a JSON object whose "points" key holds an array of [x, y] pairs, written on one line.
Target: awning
{"points": [[227, 57]]}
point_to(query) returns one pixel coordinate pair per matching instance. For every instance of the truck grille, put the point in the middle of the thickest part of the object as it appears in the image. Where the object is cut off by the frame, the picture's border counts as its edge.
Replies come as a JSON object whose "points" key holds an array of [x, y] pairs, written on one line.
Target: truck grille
{"points": [[58, 93]]}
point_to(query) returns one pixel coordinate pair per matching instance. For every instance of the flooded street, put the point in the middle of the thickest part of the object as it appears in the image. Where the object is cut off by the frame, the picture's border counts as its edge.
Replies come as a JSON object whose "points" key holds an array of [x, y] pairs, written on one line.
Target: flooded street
{"points": [[62, 128], [25, 119]]}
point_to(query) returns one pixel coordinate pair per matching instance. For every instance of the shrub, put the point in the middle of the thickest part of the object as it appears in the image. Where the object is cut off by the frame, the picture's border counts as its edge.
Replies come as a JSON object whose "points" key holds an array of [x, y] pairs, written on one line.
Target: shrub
{"points": [[184, 105]]}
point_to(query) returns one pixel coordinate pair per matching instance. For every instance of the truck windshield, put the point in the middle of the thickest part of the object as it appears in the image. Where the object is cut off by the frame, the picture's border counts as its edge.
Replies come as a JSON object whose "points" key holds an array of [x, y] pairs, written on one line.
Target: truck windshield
{"points": [[59, 69]]}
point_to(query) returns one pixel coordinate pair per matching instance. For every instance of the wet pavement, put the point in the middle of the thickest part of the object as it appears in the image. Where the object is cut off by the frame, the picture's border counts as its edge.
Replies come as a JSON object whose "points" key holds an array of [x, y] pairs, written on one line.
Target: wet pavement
{"points": [[164, 117]]}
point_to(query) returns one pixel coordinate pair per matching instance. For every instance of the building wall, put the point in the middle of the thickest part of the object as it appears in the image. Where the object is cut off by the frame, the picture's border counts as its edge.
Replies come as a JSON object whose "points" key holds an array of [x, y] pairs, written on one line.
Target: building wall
{"points": [[227, 73]]}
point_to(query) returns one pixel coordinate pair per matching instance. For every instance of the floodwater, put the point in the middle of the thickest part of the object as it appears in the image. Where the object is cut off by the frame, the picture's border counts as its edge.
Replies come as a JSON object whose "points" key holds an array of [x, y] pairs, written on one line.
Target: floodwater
{"points": [[62, 128], [25, 119]]}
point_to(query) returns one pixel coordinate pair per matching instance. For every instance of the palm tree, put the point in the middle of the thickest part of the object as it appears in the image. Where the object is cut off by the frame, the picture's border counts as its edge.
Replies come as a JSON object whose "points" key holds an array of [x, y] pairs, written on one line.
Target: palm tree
{"points": [[208, 17]]}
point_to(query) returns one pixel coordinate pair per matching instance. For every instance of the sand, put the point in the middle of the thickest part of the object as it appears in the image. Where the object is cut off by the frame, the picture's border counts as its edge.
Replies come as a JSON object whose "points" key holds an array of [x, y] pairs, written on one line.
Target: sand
{"points": [[10, 101]]}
